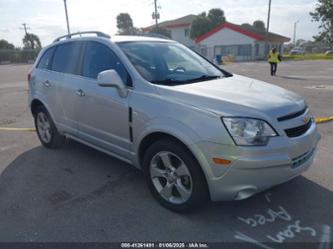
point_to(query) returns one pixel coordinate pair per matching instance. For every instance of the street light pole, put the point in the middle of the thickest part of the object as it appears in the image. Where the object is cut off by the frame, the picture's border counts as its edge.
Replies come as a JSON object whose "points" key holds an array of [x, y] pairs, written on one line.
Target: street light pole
{"points": [[156, 15], [295, 26], [68, 31], [267, 28]]}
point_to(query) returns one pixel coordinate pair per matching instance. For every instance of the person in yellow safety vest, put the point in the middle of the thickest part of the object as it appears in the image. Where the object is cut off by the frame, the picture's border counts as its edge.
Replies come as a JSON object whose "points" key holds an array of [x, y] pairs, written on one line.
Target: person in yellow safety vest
{"points": [[274, 58]]}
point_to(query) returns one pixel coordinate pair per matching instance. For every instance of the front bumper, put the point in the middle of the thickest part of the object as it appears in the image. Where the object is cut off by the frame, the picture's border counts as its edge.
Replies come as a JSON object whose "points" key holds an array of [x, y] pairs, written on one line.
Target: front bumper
{"points": [[254, 169]]}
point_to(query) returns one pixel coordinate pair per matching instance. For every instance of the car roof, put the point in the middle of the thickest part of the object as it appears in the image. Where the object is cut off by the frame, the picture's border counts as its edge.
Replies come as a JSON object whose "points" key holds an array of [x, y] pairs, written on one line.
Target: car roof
{"points": [[114, 39], [131, 38]]}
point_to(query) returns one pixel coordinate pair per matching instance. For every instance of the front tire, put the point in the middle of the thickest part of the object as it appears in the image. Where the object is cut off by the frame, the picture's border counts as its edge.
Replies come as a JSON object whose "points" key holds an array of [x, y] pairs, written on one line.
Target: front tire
{"points": [[46, 129], [173, 176]]}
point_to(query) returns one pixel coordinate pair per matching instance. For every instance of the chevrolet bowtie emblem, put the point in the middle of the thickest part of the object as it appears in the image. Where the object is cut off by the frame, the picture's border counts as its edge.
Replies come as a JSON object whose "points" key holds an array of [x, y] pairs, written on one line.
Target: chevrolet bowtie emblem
{"points": [[306, 118]]}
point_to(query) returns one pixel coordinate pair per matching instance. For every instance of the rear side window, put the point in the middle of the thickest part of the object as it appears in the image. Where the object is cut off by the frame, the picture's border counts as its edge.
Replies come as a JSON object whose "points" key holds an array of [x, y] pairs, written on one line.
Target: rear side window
{"points": [[45, 61], [67, 58], [98, 58]]}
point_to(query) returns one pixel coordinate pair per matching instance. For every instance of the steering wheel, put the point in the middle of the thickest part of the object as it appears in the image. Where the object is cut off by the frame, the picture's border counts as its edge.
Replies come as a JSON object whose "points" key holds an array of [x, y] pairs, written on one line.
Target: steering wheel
{"points": [[179, 69]]}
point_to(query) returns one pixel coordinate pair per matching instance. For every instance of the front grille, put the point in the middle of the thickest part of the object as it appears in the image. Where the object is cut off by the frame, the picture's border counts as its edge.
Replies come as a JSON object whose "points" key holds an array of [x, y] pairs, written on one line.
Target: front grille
{"points": [[299, 130], [292, 115]]}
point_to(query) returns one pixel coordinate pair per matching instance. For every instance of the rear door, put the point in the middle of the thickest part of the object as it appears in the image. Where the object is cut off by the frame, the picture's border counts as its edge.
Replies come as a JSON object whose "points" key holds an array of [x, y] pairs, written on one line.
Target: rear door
{"points": [[103, 115], [66, 67], [42, 81]]}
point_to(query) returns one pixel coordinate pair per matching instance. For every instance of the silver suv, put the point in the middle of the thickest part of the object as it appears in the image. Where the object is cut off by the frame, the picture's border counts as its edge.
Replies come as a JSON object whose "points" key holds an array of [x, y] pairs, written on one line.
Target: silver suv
{"points": [[196, 131]]}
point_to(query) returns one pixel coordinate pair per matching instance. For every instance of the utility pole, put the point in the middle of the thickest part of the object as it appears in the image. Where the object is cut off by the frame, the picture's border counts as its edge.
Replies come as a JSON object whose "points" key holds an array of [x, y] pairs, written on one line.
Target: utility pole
{"points": [[295, 26], [267, 28], [68, 31], [156, 15], [25, 27]]}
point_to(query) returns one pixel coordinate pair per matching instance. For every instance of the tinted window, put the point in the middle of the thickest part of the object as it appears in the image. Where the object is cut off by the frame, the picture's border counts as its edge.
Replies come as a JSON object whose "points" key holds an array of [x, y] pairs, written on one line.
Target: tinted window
{"points": [[67, 58], [45, 61], [98, 58]]}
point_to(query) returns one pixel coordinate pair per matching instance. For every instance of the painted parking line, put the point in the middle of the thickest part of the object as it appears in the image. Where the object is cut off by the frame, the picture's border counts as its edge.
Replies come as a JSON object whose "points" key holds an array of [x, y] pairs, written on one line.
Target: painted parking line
{"points": [[16, 129]]}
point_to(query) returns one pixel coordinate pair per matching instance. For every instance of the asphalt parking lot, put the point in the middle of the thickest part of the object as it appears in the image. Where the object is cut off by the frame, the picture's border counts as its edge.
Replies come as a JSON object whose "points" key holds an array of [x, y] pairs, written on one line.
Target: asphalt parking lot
{"points": [[78, 194]]}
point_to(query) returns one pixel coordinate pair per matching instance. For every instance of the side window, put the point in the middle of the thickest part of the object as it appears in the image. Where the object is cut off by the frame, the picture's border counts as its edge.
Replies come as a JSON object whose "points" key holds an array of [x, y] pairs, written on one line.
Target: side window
{"points": [[67, 58], [98, 58], [45, 61]]}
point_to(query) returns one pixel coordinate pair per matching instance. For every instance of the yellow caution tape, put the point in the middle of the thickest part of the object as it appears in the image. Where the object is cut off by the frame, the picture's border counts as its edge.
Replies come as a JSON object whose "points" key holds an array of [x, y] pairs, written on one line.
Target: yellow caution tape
{"points": [[324, 119], [16, 129]]}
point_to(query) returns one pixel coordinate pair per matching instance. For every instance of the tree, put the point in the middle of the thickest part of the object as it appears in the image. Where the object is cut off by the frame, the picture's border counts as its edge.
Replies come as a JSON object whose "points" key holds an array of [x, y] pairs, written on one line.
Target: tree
{"points": [[300, 42], [124, 23], [6, 45], [203, 23], [31, 41], [323, 13], [200, 25], [160, 31], [216, 16], [247, 26], [259, 25]]}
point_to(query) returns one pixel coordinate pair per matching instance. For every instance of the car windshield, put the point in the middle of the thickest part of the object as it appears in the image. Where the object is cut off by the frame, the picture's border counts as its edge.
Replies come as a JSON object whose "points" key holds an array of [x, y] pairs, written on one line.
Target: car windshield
{"points": [[169, 63]]}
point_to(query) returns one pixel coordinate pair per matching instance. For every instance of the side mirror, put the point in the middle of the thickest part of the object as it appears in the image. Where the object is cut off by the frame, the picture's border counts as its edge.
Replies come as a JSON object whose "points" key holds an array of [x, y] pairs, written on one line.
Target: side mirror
{"points": [[110, 78]]}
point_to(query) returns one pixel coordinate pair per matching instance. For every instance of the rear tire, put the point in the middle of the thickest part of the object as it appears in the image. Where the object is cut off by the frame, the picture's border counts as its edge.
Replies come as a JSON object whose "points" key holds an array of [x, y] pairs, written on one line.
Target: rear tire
{"points": [[174, 176], [46, 129]]}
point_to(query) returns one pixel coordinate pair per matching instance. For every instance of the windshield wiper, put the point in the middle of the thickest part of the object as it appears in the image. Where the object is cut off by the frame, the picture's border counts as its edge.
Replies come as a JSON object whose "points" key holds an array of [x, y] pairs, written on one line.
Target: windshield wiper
{"points": [[204, 78], [172, 82], [168, 82]]}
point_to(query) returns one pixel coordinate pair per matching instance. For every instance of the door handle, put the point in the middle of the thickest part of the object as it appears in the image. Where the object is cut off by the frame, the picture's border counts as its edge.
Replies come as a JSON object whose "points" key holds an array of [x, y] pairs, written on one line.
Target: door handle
{"points": [[46, 83], [80, 92]]}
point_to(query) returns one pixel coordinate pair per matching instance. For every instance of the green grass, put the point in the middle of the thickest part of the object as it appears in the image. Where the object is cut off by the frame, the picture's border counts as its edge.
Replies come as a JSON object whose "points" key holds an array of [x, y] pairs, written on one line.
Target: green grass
{"points": [[308, 57]]}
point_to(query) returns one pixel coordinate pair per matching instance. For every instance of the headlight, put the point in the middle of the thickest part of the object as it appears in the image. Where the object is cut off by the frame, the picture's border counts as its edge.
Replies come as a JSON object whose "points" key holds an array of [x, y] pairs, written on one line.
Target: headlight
{"points": [[249, 131]]}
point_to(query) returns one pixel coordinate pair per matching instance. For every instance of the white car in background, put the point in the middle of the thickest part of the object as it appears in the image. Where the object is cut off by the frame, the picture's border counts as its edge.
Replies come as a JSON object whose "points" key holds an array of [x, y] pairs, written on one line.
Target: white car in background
{"points": [[297, 51]]}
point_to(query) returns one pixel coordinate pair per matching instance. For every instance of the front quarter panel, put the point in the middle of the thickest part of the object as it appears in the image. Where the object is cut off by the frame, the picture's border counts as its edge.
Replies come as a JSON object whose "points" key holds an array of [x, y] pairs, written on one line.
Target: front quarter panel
{"points": [[153, 113]]}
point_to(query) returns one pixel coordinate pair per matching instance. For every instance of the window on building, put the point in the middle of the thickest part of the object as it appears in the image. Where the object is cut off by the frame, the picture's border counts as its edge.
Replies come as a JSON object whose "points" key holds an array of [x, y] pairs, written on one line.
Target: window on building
{"points": [[244, 50], [257, 49], [187, 32], [229, 50]]}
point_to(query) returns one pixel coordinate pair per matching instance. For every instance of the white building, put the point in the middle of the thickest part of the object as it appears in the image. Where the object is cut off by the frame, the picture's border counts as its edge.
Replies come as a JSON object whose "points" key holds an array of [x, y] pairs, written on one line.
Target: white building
{"points": [[179, 28], [227, 39], [243, 44]]}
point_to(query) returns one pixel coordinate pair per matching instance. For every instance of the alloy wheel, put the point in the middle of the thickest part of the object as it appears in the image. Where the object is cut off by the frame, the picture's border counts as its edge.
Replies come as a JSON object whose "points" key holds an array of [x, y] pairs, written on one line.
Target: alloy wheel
{"points": [[171, 177], [44, 127]]}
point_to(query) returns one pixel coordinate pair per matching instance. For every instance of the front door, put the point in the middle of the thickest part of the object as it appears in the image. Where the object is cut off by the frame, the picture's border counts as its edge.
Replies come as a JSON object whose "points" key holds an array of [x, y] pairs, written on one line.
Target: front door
{"points": [[103, 115]]}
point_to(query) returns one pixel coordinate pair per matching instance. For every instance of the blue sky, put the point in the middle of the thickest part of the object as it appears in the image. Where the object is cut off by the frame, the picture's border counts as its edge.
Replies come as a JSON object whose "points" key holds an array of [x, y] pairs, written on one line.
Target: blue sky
{"points": [[46, 18]]}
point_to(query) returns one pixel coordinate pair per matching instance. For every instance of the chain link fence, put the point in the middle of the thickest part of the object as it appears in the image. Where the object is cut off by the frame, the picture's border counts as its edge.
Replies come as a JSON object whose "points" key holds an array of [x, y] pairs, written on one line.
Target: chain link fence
{"points": [[8, 56]]}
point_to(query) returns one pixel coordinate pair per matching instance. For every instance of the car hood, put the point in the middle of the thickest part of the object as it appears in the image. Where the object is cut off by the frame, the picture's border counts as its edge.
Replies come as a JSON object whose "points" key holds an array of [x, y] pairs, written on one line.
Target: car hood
{"points": [[237, 95]]}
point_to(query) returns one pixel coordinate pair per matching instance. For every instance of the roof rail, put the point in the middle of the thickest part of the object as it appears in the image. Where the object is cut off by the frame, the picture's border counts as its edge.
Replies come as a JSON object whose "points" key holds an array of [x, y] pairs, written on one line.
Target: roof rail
{"points": [[69, 36]]}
